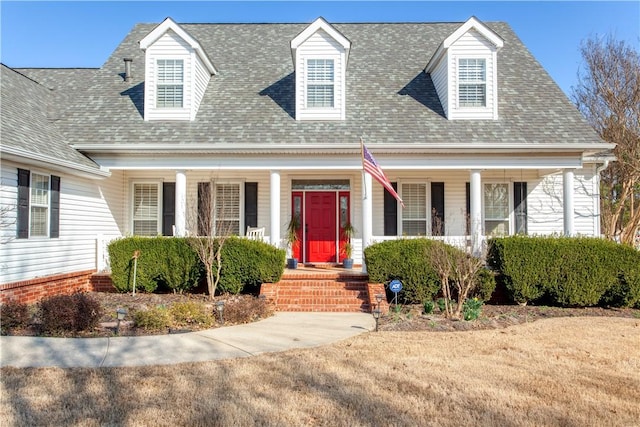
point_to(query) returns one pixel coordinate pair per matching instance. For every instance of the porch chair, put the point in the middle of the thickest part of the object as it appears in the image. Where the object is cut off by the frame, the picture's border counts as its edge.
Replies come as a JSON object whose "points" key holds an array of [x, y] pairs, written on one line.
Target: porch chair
{"points": [[255, 233]]}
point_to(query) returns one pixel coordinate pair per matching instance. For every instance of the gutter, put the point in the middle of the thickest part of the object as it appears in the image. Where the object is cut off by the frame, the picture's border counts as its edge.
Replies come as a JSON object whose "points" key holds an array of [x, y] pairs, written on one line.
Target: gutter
{"points": [[35, 159]]}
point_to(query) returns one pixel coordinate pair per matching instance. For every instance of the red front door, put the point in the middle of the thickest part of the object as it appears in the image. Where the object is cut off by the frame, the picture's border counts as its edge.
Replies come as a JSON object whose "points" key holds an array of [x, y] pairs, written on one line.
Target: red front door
{"points": [[320, 226]]}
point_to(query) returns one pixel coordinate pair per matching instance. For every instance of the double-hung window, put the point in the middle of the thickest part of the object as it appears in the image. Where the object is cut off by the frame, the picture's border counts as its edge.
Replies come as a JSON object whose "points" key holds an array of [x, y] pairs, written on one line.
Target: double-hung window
{"points": [[472, 82], [496, 209], [170, 87], [39, 206], [227, 209], [414, 214], [146, 209], [320, 83]]}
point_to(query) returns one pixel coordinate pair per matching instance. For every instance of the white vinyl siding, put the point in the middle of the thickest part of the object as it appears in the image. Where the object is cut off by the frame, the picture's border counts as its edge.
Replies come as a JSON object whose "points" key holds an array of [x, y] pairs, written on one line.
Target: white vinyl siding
{"points": [[39, 205], [320, 48], [320, 83], [85, 213], [472, 63], [146, 209], [472, 82], [496, 209], [169, 95], [170, 83], [414, 214], [440, 77]]}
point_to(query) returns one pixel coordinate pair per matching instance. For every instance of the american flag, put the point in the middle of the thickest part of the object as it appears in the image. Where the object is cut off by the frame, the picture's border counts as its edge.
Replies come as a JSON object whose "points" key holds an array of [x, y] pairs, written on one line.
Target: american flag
{"points": [[373, 168]]}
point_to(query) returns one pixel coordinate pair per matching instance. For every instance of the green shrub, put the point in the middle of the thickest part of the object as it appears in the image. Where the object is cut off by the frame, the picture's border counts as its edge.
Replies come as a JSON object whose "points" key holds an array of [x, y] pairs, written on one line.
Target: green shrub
{"points": [[190, 313], [486, 285], [163, 262], [471, 308], [427, 307], [76, 312], [13, 314], [246, 264], [567, 271], [407, 261], [155, 319]]}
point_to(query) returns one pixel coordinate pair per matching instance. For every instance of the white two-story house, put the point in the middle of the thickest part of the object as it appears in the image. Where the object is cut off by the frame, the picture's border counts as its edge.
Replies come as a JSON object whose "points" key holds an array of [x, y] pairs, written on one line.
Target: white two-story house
{"points": [[263, 121]]}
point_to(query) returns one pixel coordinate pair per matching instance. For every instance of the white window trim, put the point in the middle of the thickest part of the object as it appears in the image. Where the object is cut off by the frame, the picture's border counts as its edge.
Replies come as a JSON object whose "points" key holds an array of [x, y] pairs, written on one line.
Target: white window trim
{"points": [[158, 84], [428, 219], [510, 217], [338, 79], [32, 173], [487, 82], [132, 194]]}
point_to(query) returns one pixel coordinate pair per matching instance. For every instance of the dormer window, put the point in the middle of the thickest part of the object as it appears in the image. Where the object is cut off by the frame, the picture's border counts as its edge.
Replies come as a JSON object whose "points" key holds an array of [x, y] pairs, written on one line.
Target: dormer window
{"points": [[320, 83], [472, 82], [170, 83]]}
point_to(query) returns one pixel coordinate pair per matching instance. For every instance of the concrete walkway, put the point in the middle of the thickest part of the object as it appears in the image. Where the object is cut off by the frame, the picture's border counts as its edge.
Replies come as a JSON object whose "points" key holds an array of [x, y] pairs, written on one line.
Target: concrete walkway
{"points": [[283, 331]]}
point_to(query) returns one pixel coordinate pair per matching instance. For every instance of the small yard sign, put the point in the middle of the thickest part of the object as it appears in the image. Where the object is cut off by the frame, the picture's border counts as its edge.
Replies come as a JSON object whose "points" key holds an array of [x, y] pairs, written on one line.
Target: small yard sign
{"points": [[395, 286]]}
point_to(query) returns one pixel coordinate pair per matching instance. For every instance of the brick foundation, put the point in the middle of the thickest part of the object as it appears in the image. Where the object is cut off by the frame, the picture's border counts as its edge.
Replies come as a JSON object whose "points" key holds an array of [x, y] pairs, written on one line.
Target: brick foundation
{"points": [[33, 290]]}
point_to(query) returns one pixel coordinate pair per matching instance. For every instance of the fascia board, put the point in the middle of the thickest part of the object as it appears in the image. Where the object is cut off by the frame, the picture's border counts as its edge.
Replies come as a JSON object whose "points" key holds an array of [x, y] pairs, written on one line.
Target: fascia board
{"points": [[474, 23], [34, 159]]}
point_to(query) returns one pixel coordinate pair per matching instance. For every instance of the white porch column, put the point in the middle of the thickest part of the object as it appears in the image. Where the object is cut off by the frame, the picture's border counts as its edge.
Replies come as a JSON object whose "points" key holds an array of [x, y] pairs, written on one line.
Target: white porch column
{"points": [[274, 205], [367, 215], [181, 203], [567, 201], [475, 212]]}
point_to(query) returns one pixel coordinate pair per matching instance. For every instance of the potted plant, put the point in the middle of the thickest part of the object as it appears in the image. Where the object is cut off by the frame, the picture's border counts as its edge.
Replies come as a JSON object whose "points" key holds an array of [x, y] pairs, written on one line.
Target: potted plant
{"points": [[293, 229], [348, 231]]}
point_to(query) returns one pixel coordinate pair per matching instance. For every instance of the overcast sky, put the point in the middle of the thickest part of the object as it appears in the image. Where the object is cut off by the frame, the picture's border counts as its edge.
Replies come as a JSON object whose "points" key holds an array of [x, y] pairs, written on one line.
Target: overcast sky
{"points": [[83, 34]]}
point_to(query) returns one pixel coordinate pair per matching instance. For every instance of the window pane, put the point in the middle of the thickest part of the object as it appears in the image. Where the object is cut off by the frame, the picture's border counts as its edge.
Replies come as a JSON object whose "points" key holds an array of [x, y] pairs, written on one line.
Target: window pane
{"points": [[496, 209], [472, 85], [170, 83], [227, 209], [320, 83], [414, 215], [39, 189], [145, 209], [38, 224]]}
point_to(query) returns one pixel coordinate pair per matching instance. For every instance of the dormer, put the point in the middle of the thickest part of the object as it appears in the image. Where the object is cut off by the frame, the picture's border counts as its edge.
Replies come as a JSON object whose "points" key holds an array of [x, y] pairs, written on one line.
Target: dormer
{"points": [[464, 71], [177, 72], [320, 54]]}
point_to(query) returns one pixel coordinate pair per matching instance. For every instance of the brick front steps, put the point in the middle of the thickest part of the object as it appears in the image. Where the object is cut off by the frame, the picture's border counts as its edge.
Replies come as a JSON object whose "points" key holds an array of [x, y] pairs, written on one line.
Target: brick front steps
{"points": [[322, 288]]}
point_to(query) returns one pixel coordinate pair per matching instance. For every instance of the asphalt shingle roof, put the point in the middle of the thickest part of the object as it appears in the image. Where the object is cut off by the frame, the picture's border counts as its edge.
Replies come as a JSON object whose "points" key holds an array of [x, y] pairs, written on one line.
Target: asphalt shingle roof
{"points": [[28, 115], [389, 97]]}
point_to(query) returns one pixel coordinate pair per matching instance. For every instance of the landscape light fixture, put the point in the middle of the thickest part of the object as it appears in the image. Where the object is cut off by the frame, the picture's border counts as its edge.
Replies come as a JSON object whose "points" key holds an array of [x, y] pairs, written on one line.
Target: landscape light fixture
{"points": [[220, 308], [376, 315], [379, 298], [120, 313]]}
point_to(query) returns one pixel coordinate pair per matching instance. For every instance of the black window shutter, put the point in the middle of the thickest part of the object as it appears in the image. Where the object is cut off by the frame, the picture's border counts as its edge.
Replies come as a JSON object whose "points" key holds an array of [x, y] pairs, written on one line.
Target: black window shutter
{"points": [[23, 204], [168, 207], [390, 212], [437, 208], [520, 203], [467, 220], [251, 204], [205, 208], [54, 226]]}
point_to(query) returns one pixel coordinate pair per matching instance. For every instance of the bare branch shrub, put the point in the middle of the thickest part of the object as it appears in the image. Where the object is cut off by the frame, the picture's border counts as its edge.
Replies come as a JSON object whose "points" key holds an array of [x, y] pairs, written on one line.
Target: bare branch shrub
{"points": [[458, 273]]}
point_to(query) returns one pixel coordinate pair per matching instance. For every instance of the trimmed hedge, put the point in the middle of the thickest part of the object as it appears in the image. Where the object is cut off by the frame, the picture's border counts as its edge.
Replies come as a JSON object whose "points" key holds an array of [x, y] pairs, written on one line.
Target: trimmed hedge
{"points": [[405, 260], [164, 262], [567, 271], [246, 264], [170, 262]]}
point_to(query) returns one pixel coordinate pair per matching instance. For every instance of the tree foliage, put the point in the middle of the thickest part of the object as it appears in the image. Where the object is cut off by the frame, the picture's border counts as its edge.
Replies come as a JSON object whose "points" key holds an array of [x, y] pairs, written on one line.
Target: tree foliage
{"points": [[608, 94]]}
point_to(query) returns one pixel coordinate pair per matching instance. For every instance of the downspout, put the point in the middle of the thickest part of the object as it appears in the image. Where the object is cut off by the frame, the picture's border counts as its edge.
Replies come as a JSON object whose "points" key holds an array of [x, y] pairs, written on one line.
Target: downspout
{"points": [[605, 165]]}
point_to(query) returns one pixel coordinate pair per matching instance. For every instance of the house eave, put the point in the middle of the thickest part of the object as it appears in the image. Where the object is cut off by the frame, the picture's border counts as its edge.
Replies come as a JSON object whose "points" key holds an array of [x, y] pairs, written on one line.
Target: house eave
{"points": [[40, 160]]}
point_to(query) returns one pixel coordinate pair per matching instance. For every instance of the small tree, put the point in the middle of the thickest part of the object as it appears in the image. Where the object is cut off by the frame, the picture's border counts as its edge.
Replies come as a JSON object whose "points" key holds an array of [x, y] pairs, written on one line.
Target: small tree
{"points": [[608, 94], [459, 272], [211, 229]]}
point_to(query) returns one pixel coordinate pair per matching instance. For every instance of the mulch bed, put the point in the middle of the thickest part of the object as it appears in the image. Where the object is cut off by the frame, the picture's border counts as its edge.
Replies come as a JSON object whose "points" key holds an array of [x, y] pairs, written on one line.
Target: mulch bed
{"points": [[410, 318]]}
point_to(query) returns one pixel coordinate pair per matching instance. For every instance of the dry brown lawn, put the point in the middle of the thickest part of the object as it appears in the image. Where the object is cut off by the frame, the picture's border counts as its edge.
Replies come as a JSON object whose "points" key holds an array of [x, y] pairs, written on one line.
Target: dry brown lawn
{"points": [[555, 372]]}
